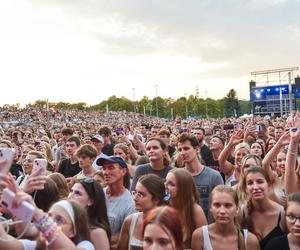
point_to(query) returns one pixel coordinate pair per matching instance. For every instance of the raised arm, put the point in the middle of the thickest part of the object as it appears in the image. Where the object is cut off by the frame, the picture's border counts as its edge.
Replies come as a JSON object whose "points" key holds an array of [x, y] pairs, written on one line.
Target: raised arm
{"points": [[236, 138], [291, 179], [269, 157]]}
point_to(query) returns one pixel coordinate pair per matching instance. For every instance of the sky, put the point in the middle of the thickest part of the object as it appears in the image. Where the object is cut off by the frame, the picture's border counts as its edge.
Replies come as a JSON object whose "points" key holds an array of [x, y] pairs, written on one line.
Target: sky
{"points": [[89, 50]]}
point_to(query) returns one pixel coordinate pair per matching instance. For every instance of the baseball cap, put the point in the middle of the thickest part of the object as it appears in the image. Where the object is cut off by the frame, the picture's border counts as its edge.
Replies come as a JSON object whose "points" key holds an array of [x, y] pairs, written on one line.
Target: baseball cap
{"points": [[113, 159], [99, 138]]}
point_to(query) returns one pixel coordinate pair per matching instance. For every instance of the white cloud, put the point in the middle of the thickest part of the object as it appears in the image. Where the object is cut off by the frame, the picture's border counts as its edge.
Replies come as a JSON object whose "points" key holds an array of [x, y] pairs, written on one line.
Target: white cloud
{"points": [[48, 48]]}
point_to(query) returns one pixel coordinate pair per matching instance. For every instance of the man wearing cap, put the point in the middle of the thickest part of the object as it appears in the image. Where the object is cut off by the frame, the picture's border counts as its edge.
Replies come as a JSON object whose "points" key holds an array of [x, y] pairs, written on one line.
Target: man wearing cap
{"points": [[98, 143], [119, 200]]}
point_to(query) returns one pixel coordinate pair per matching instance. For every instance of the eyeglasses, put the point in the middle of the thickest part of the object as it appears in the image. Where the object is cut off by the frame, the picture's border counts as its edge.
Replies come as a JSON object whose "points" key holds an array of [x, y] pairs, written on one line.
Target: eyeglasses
{"points": [[59, 220], [138, 194], [292, 219]]}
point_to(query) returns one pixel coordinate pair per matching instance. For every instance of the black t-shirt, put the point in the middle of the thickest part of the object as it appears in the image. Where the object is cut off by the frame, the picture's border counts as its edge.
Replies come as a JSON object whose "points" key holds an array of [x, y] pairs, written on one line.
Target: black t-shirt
{"points": [[278, 243], [171, 150], [206, 155], [67, 169], [108, 149], [16, 170]]}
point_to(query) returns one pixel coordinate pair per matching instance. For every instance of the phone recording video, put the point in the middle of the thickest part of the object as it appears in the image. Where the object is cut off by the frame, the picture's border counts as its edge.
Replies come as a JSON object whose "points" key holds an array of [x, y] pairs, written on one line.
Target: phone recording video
{"points": [[228, 126], [6, 156]]}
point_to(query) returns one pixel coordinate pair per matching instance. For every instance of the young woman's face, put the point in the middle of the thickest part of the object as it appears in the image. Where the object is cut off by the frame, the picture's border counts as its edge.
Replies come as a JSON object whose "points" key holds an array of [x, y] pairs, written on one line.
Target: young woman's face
{"points": [[156, 238], [143, 198], [242, 152], [171, 185], [256, 149], [62, 219], [257, 186], [79, 195], [28, 163], [250, 162], [293, 218], [280, 163], [154, 151], [119, 152], [223, 208]]}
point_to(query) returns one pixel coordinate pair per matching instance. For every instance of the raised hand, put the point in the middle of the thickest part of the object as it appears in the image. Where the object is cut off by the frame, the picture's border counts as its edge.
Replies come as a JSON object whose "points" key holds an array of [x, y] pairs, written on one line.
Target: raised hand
{"points": [[284, 139], [35, 181], [294, 124], [236, 137]]}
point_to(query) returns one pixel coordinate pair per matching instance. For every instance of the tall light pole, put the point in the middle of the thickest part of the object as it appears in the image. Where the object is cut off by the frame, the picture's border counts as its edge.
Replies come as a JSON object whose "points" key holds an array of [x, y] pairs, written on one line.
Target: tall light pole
{"points": [[133, 93], [206, 104], [186, 106], [156, 85]]}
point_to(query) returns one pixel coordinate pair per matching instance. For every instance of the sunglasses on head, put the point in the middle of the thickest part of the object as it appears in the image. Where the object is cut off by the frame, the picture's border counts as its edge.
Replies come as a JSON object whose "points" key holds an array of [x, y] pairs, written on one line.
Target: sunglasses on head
{"points": [[87, 180]]}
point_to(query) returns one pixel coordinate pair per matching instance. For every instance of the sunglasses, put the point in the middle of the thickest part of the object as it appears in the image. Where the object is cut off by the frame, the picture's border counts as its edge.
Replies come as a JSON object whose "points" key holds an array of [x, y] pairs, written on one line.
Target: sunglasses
{"points": [[87, 180]]}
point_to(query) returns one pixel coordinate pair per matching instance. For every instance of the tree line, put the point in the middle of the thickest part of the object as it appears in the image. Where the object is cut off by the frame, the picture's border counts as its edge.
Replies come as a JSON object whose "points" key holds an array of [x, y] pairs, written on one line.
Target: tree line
{"points": [[191, 106]]}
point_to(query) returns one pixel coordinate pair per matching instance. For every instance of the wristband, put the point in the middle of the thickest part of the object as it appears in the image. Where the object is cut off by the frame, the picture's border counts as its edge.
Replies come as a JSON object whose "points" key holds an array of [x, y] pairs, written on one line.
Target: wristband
{"points": [[294, 153]]}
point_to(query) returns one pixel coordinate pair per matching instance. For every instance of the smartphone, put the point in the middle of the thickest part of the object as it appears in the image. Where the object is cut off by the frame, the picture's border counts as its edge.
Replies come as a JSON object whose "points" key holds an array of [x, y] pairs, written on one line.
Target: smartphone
{"points": [[6, 154], [228, 126], [258, 127], [38, 164], [24, 212]]}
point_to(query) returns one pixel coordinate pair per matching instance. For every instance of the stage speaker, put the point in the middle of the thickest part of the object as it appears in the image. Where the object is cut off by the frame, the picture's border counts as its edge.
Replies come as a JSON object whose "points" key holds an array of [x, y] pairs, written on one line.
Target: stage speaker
{"points": [[297, 83], [252, 84]]}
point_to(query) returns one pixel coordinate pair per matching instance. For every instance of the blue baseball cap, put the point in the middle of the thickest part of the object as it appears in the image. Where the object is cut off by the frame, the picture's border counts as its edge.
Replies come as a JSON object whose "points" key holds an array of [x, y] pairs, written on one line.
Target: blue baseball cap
{"points": [[113, 159]]}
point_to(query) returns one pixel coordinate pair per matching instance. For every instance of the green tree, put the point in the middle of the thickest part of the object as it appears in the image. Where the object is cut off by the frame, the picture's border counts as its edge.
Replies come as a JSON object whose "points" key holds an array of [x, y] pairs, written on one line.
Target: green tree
{"points": [[231, 104]]}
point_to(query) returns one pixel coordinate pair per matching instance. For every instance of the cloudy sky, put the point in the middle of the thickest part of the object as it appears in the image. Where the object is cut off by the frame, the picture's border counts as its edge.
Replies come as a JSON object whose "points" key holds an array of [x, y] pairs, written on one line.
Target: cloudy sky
{"points": [[88, 50]]}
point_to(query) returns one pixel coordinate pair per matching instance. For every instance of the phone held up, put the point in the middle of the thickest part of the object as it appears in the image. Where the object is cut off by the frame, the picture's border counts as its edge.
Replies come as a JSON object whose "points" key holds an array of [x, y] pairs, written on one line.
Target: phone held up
{"points": [[23, 212], [6, 154], [40, 164]]}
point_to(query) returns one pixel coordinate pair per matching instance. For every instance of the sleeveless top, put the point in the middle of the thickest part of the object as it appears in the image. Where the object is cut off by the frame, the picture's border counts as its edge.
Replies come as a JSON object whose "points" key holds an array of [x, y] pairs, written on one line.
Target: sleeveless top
{"points": [[277, 231], [134, 243], [231, 180], [206, 240]]}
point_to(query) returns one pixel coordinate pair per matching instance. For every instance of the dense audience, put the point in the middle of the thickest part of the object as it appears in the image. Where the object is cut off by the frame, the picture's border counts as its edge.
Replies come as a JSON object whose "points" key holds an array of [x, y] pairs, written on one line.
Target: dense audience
{"points": [[120, 180]]}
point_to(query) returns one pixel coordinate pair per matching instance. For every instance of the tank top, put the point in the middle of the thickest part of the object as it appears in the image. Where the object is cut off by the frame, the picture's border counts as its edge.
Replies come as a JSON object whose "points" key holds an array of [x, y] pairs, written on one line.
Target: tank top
{"points": [[277, 231], [206, 240], [134, 243]]}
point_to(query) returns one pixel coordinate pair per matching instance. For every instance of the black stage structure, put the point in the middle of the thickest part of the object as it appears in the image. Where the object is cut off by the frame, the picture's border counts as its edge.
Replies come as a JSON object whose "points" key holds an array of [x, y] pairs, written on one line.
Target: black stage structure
{"points": [[274, 92]]}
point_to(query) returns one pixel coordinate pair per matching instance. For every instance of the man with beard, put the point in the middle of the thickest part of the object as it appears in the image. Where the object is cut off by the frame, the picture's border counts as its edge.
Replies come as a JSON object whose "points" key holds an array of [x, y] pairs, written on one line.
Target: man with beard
{"points": [[205, 153]]}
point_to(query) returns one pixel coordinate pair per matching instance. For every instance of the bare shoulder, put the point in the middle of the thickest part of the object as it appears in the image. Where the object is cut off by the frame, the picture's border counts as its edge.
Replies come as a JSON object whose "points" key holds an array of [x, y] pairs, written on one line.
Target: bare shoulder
{"points": [[198, 209], [98, 232], [252, 242], [197, 239], [199, 216]]}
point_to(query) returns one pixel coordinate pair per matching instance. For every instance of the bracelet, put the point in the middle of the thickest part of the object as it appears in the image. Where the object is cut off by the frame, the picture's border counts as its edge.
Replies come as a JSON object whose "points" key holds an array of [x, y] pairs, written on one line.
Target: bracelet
{"points": [[44, 223], [294, 153]]}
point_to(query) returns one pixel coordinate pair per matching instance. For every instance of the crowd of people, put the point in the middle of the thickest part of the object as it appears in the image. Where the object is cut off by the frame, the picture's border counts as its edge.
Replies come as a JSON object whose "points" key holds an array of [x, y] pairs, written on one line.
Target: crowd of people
{"points": [[120, 180]]}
